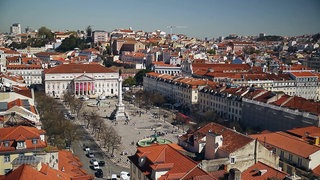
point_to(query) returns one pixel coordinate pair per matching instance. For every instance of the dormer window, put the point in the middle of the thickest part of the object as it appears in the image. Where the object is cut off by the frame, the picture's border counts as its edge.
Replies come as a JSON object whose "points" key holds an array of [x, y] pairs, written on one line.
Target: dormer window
{"points": [[34, 141], [20, 145], [6, 144]]}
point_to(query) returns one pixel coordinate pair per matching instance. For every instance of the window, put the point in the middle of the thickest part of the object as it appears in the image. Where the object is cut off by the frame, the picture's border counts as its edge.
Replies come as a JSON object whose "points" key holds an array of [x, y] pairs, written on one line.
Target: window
{"points": [[34, 141], [281, 153], [6, 144], [232, 160], [20, 144], [7, 171], [299, 162], [290, 157], [6, 158]]}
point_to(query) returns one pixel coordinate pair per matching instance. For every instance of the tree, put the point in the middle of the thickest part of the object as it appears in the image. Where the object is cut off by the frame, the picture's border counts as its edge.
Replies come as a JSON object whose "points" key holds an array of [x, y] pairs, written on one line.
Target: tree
{"points": [[58, 129], [89, 34], [130, 81], [139, 76], [45, 33], [71, 43], [211, 51]]}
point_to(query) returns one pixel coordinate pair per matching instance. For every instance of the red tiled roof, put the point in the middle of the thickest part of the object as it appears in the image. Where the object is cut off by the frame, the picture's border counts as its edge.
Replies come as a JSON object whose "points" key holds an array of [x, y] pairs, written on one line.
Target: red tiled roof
{"points": [[303, 74], [177, 165], [26, 172], [24, 91], [24, 66], [71, 165], [252, 173], [232, 140], [288, 143], [222, 67], [316, 171], [23, 133], [303, 105], [79, 68], [309, 134]]}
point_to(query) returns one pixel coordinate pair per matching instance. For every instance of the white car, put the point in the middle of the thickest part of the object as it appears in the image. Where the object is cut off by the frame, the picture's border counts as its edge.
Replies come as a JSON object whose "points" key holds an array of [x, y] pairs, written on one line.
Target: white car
{"points": [[96, 165], [113, 177], [124, 175]]}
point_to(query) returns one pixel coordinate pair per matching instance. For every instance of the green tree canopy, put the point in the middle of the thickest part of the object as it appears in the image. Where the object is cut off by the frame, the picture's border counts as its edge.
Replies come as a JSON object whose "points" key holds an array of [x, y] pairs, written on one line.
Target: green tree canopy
{"points": [[130, 81], [71, 43], [45, 33], [139, 76]]}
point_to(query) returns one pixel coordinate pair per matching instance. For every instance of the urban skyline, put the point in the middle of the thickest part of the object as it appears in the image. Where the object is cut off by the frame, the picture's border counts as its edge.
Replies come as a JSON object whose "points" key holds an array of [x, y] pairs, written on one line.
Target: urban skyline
{"points": [[207, 18]]}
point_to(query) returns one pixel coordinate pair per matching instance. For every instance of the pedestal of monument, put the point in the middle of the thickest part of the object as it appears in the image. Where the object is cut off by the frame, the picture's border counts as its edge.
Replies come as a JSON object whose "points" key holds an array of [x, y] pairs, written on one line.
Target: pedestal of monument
{"points": [[120, 113]]}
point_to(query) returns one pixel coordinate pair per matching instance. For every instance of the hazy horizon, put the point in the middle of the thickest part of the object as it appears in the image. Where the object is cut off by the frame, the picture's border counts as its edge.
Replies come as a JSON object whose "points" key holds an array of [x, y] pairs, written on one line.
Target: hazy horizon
{"points": [[206, 18]]}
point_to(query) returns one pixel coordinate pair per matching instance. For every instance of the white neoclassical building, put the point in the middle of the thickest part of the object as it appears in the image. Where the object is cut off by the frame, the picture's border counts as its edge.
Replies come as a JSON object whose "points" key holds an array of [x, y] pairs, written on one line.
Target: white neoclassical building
{"points": [[89, 80]]}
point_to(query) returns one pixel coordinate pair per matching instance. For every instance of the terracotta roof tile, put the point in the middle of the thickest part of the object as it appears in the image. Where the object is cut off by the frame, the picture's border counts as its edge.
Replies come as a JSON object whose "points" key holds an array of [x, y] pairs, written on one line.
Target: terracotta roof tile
{"points": [[232, 140], [254, 172], [288, 143], [176, 164], [23, 133], [71, 165], [303, 74], [79, 68]]}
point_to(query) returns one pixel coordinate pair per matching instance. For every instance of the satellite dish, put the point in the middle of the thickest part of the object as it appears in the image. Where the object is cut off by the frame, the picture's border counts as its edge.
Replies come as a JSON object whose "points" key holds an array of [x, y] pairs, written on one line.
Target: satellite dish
{"points": [[142, 160]]}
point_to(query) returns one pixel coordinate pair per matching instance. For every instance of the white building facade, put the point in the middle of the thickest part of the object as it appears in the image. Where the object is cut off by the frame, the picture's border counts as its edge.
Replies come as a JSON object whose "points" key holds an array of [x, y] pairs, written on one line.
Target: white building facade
{"points": [[91, 80]]}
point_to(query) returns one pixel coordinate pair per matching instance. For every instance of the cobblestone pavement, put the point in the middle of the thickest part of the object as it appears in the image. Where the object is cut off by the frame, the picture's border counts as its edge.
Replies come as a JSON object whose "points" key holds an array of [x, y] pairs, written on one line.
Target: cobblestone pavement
{"points": [[139, 127]]}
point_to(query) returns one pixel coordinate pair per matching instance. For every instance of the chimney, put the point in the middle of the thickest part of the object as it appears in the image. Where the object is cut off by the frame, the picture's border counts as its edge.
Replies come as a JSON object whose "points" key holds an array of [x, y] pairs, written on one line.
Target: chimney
{"points": [[234, 174], [213, 142]]}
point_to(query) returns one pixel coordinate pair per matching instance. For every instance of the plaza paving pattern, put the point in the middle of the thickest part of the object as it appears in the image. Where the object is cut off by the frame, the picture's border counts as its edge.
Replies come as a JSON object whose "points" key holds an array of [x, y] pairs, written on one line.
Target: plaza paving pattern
{"points": [[139, 127]]}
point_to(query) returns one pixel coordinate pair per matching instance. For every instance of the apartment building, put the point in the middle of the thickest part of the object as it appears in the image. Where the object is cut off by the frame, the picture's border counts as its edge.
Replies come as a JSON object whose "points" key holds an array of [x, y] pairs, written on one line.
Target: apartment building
{"points": [[275, 111], [31, 73], [100, 37], [90, 80], [219, 147], [23, 142], [297, 156], [163, 162], [307, 84], [179, 89], [162, 68]]}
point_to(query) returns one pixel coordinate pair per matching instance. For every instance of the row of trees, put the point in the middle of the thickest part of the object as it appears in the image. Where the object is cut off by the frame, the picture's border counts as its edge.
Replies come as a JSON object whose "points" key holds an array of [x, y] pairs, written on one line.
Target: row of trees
{"points": [[104, 133], [107, 135], [58, 130]]}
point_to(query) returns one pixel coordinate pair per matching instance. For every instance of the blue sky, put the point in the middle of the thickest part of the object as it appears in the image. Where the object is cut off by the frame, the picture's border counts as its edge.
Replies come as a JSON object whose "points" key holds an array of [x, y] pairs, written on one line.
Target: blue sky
{"points": [[202, 18]]}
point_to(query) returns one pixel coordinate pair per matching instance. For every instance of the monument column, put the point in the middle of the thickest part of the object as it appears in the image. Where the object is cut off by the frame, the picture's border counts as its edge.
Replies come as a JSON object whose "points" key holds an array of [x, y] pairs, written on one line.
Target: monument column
{"points": [[119, 113], [120, 91]]}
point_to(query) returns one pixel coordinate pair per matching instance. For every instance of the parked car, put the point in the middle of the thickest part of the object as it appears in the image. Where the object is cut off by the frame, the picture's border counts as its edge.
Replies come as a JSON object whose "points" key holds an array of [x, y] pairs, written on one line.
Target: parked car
{"points": [[113, 177], [99, 173], [93, 160], [96, 165], [124, 175], [90, 154], [86, 148], [102, 163]]}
